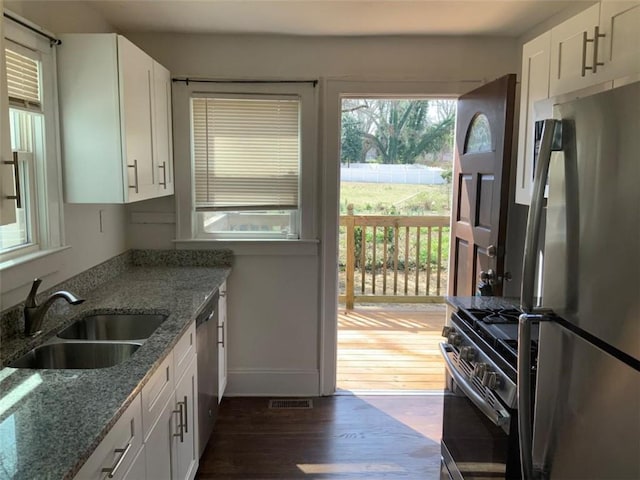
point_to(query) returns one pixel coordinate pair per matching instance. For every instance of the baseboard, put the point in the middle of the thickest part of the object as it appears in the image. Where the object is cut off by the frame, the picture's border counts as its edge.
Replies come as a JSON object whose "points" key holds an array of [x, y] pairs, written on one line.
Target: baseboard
{"points": [[254, 382]]}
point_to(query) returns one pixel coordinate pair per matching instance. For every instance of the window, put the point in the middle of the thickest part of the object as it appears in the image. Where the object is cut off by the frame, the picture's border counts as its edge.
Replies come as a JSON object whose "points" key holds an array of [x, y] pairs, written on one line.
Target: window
{"points": [[30, 85], [246, 161], [252, 169]]}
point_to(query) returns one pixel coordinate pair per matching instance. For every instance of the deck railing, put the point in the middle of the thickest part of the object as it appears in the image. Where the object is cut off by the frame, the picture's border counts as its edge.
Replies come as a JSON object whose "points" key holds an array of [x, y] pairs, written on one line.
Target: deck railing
{"points": [[393, 259]]}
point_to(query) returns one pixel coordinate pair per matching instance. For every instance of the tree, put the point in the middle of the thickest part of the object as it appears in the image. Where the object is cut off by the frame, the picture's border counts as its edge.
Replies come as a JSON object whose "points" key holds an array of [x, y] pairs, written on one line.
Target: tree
{"points": [[351, 143], [401, 130]]}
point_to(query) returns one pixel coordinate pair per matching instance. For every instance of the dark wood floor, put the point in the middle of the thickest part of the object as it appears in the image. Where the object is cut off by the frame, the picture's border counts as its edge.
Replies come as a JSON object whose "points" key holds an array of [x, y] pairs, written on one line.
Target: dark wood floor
{"points": [[360, 437]]}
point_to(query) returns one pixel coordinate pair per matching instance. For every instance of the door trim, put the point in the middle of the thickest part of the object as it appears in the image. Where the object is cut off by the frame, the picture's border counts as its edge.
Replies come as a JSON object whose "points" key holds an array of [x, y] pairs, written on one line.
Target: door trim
{"points": [[335, 89]]}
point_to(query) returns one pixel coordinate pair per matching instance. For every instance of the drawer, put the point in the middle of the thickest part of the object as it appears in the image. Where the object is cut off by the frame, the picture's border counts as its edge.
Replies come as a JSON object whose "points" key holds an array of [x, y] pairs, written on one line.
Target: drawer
{"points": [[184, 350], [119, 447], [156, 392]]}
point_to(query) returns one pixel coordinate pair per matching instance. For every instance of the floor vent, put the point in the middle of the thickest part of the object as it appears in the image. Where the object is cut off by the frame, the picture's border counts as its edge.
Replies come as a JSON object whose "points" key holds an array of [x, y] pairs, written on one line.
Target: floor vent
{"points": [[291, 403]]}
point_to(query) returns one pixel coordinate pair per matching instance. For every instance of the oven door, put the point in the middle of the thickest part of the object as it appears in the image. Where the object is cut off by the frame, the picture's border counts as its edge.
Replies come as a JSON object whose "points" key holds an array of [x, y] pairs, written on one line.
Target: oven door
{"points": [[479, 439]]}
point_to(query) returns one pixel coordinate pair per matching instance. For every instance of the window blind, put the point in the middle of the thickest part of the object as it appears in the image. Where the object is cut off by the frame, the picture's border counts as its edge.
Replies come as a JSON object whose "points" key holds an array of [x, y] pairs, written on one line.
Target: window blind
{"points": [[23, 80], [246, 153]]}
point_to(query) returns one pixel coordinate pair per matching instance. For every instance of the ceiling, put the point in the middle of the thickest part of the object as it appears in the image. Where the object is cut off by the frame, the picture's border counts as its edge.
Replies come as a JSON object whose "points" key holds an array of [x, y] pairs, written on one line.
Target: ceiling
{"points": [[331, 17]]}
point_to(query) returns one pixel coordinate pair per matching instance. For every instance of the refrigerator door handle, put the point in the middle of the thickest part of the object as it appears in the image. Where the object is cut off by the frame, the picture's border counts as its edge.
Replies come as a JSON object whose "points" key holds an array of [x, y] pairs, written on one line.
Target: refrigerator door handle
{"points": [[551, 129], [550, 134]]}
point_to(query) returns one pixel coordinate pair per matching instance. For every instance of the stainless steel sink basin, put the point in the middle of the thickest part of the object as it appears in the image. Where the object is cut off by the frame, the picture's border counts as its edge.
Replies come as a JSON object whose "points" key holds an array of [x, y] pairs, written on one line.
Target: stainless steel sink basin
{"points": [[113, 327], [85, 355]]}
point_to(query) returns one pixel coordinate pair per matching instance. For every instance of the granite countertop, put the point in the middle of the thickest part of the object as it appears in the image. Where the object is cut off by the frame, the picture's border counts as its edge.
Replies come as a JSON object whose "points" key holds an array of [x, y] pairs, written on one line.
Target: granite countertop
{"points": [[52, 420], [493, 303]]}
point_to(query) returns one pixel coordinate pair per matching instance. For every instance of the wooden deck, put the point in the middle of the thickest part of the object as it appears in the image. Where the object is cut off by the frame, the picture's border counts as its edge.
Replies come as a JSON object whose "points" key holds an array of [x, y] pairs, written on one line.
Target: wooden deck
{"points": [[385, 349]]}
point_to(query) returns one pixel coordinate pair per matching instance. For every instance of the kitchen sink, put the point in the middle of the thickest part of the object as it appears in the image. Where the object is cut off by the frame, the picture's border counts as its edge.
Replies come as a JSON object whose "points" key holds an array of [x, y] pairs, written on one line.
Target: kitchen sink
{"points": [[84, 355], [113, 327]]}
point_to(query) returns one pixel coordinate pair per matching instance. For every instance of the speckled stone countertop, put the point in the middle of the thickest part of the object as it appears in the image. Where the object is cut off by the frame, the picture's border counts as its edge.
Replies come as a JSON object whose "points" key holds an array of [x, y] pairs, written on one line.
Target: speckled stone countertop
{"points": [[52, 420], [493, 303]]}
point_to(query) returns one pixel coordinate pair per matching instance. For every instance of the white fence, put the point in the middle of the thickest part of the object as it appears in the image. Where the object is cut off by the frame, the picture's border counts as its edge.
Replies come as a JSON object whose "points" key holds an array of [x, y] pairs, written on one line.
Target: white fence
{"points": [[379, 173]]}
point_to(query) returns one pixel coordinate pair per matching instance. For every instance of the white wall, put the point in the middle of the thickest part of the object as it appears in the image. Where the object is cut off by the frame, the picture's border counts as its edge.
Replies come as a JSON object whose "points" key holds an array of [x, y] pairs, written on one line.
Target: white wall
{"points": [[276, 310], [89, 245]]}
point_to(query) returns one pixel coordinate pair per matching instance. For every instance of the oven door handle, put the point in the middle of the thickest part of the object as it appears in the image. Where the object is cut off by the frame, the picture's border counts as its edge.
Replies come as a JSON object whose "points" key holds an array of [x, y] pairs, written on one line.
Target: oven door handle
{"points": [[498, 418]]}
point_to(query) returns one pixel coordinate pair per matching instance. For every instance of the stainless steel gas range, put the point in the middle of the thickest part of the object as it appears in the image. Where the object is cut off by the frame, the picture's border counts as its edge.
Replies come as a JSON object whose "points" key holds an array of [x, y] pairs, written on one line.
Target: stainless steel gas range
{"points": [[480, 426]]}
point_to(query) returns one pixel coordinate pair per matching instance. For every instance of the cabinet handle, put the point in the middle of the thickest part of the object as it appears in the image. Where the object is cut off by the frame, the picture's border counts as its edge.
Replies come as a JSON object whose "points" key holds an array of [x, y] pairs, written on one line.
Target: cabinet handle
{"points": [[164, 174], [221, 342], [186, 416], [595, 40], [16, 176], [123, 453], [135, 175], [223, 293], [181, 424]]}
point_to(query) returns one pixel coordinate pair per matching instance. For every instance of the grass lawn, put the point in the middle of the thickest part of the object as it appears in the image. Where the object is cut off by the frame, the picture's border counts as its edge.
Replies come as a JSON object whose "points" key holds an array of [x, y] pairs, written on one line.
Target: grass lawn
{"points": [[395, 199]]}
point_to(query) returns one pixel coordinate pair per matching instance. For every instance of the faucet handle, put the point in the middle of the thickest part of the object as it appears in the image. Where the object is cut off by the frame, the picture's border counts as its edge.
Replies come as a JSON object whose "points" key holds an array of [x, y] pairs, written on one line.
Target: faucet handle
{"points": [[30, 302]]}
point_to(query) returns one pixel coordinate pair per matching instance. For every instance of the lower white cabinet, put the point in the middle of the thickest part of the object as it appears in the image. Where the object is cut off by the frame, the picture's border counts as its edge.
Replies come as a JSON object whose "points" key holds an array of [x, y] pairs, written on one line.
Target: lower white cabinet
{"points": [[114, 456], [156, 437], [222, 341]]}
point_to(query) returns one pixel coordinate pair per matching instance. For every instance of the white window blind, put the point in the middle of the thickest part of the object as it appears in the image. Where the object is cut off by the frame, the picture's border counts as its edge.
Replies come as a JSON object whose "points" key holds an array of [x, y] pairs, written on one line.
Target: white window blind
{"points": [[246, 153], [23, 80]]}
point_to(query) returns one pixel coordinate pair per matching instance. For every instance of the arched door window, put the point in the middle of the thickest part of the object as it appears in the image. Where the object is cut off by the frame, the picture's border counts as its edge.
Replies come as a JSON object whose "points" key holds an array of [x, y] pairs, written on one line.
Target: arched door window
{"points": [[479, 135]]}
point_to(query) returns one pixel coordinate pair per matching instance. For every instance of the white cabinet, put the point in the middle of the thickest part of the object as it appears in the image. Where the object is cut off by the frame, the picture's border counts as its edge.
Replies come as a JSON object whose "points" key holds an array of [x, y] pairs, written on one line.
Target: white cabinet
{"points": [[7, 185], [115, 120], [222, 341], [534, 87], [118, 450], [171, 433], [596, 47], [619, 50], [162, 137], [601, 43]]}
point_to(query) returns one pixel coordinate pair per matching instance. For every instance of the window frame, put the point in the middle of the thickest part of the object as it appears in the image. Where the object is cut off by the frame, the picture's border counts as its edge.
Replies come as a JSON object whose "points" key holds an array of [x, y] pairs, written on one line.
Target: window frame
{"points": [[47, 207], [188, 227]]}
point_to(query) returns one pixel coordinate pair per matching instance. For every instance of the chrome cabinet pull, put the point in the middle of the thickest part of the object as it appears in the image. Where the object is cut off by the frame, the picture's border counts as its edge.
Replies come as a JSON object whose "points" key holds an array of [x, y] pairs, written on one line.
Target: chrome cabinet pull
{"points": [[16, 177], [595, 40], [164, 174], [135, 175], [181, 424], [186, 416], [221, 342], [123, 453]]}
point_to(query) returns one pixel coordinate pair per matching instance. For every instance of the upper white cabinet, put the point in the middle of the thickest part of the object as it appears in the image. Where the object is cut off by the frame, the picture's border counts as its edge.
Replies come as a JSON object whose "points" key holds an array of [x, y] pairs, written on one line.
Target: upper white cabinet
{"points": [[534, 86], [115, 121], [597, 45], [7, 185]]}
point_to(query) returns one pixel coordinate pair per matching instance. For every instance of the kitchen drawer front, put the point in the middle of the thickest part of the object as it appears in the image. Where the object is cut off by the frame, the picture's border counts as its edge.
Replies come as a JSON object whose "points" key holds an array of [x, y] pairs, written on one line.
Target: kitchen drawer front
{"points": [[118, 449], [156, 392], [184, 350]]}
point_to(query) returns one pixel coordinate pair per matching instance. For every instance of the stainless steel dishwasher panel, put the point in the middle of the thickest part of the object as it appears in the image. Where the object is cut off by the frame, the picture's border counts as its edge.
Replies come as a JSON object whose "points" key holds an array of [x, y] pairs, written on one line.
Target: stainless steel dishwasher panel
{"points": [[207, 350]]}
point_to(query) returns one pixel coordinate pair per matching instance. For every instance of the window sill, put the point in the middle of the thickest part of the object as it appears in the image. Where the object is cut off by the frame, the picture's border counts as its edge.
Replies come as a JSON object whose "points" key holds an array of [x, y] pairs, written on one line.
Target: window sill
{"points": [[280, 247], [48, 262]]}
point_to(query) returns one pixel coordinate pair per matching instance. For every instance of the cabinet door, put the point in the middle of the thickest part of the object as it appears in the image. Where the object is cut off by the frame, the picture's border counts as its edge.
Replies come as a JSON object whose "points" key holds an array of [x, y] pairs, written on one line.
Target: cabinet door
{"points": [[223, 326], [572, 53], [186, 451], [159, 444], [136, 70], [619, 48], [116, 452], [162, 133], [7, 188], [534, 87], [138, 469]]}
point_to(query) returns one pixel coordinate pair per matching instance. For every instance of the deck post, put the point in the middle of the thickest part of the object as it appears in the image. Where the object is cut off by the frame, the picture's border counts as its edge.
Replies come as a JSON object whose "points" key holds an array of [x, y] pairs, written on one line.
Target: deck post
{"points": [[351, 258]]}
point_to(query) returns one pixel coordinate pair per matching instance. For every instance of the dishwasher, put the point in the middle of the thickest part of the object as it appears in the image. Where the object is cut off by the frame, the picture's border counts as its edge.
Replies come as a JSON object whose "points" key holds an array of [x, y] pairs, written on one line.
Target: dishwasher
{"points": [[207, 350]]}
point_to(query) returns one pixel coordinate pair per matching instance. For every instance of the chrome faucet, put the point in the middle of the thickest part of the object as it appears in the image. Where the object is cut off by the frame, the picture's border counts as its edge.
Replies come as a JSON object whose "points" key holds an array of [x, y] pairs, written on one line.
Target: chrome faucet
{"points": [[34, 313]]}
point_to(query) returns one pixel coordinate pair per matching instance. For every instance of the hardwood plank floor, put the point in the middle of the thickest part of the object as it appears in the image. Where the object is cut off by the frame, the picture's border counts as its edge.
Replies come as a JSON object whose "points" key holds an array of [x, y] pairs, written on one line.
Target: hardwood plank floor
{"points": [[346, 436], [390, 349]]}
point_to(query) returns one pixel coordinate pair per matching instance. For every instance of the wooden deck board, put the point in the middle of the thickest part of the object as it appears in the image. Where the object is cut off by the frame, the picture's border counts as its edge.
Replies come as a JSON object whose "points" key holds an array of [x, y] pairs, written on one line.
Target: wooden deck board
{"points": [[390, 349]]}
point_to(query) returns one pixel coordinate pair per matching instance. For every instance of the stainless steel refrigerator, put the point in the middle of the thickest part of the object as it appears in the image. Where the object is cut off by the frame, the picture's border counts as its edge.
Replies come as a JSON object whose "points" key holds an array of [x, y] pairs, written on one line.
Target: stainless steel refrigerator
{"points": [[586, 405]]}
